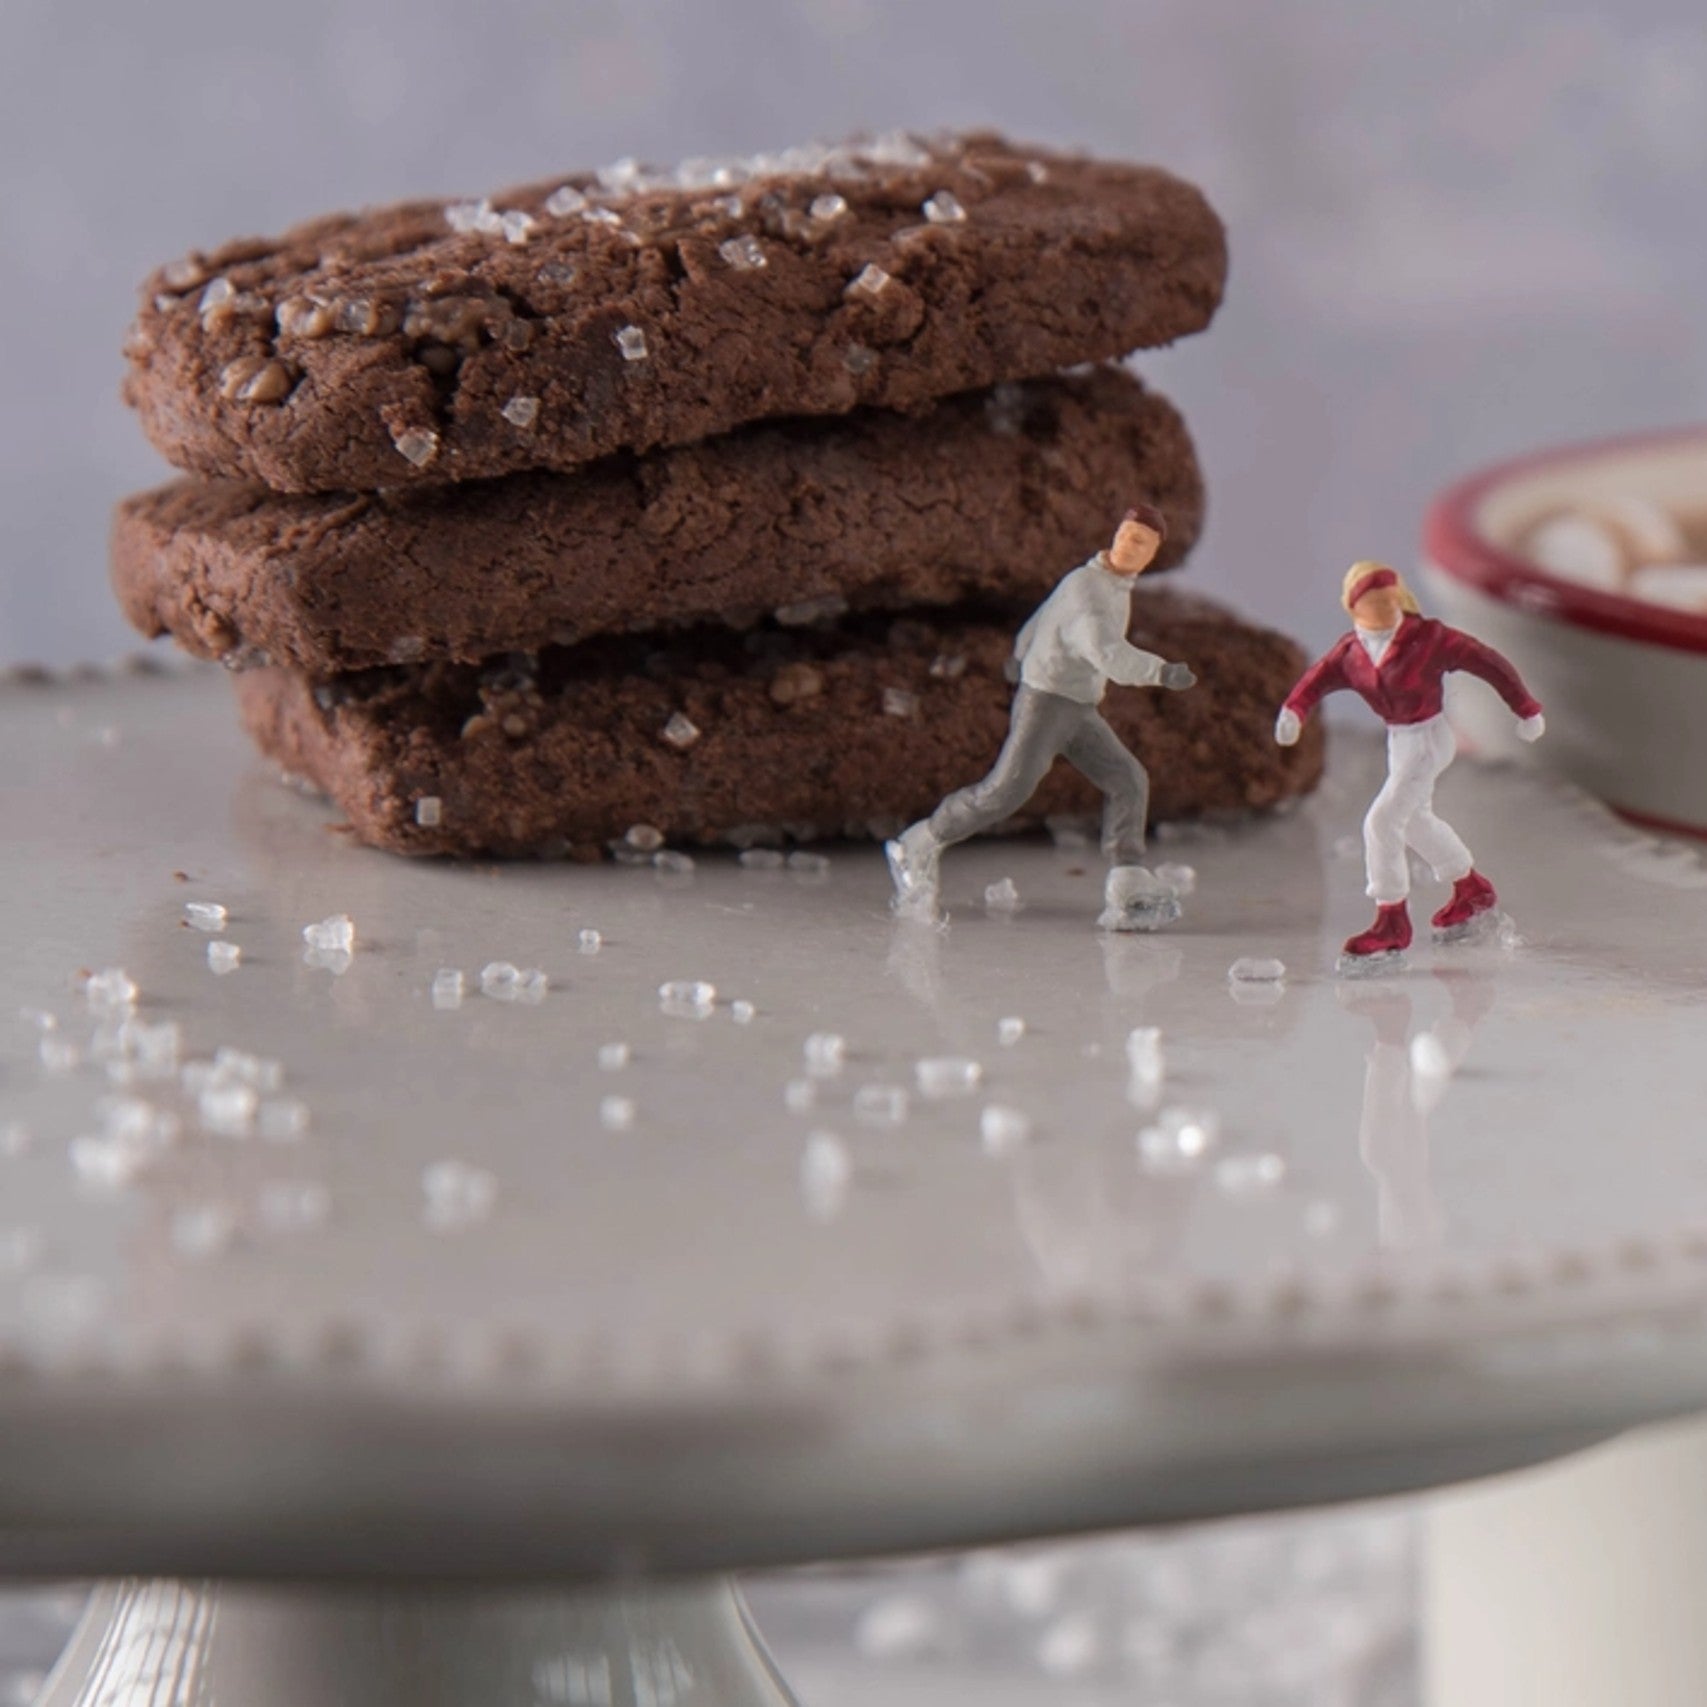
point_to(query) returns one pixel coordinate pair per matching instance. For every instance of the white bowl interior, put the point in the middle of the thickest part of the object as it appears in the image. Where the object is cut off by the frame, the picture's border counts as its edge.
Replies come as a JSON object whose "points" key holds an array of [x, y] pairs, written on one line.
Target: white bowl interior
{"points": [[1671, 473]]}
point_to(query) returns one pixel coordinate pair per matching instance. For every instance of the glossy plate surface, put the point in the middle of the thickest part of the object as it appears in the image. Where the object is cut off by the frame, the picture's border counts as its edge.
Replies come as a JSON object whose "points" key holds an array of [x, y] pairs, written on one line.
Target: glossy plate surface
{"points": [[1428, 1225]]}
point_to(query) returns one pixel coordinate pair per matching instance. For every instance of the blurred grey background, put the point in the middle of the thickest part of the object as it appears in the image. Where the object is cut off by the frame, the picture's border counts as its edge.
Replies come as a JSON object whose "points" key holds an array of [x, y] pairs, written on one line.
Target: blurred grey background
{"points": [[1457, 231]]}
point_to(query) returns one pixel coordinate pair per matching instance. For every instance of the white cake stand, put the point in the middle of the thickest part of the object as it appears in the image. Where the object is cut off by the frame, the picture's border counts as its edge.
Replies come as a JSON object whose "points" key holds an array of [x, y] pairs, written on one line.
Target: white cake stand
{"points": [[1359, 1237]]}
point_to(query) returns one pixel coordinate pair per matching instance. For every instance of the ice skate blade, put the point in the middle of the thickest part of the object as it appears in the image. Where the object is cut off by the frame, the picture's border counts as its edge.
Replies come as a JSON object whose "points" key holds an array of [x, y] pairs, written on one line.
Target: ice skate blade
{"points": [[1372, 965], [1150, 915], [912, 886], [1485, 927]]}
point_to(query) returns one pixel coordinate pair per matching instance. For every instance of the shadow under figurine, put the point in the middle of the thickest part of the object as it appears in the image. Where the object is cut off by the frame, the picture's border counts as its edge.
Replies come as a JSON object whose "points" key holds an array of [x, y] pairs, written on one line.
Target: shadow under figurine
{"points": [[1398, 660], [1064, 658]]}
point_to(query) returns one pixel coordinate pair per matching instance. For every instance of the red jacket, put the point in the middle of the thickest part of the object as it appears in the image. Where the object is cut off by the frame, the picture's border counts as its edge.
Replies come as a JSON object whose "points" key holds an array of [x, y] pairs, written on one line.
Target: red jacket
{"points": [[1406, 686]]}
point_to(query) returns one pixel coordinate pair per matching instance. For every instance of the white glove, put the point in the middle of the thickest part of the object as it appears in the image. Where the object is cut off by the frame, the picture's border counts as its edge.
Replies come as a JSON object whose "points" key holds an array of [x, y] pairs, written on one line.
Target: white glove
{"points": [[1287, 728], [1532, 728]]}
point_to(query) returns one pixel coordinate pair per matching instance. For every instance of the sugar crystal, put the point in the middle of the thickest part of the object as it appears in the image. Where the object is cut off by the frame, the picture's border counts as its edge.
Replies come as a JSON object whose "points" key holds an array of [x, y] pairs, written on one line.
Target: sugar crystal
{"points": [[761, 859], [1253, 969], [1002, 897], [588, 942], [827, 207], [947, 1076], [521, 411], [1179, 1138], [504, 982], [681, 731], [473, 216], [1010, 1030], [646, 837], [601, 216], [1002, 1128], [859, 359], [223, 957], [811, 613], [228, 1108], [944, 209], [673, 862], [871, 280], [516, 225], [745, 253], [898, 702], [687, 998], [631, 341], [429, 811], [205, 915], [418, 445], [457, 1194], [826, 1054], [798, 1095], [331, 935], [112, 988], [565, 201], [806, 864], [613, 1057], [448, 984], [948, 666], [742, 1012], [825, 1170], [239, 1066], [616, 1114], [108, 1163]]}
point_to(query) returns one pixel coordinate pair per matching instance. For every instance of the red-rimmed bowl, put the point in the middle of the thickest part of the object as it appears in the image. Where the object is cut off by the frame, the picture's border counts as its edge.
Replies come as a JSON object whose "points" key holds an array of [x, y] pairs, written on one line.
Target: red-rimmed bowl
{"points": [[1624, 683]]}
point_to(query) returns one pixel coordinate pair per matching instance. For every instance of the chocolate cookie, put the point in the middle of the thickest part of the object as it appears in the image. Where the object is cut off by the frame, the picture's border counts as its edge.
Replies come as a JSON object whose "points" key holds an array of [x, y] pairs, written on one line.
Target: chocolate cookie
{"points": [[711, 736], [567, 320], [990, 494]]}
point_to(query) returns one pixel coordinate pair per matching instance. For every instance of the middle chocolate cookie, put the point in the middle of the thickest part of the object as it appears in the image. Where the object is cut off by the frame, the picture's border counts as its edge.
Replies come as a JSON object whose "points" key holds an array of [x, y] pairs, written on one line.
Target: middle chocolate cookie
{"points": [[990, 495]]}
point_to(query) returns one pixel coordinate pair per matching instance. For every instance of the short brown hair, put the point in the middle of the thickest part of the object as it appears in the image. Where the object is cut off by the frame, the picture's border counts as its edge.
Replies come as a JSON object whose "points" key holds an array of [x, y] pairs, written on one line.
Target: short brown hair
{"points": [[1147, 516]]}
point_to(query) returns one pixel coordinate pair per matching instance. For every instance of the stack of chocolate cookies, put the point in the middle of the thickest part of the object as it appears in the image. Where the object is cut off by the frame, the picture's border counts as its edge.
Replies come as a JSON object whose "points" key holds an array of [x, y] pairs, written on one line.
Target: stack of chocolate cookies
{"points": [[708, 500]]}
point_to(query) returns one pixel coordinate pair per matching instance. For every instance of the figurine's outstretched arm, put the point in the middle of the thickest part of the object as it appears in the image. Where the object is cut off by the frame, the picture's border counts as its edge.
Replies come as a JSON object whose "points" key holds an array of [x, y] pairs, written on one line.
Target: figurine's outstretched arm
{"points": [[1118, 659], [1476, 658], [1325, 676]]}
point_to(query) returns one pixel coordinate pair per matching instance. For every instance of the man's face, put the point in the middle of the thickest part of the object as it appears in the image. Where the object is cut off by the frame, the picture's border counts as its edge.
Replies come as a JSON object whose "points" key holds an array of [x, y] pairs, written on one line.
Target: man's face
{"points": [[1134, 549], [1378, 609]]}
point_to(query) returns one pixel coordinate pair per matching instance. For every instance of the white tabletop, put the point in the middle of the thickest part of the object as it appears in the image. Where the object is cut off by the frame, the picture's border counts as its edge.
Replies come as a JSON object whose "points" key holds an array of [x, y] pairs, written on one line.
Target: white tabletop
{"points": [[737, 1331]]}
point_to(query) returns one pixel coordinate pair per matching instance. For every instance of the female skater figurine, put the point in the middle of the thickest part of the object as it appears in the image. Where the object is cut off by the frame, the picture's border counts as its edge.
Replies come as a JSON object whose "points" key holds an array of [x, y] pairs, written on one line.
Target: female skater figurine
{"points": [[1398, 660]]}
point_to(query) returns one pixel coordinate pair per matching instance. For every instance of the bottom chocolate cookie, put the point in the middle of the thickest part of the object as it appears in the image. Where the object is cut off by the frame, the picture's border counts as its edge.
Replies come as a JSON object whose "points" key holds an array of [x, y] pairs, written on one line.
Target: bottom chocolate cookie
{"points": [[708, 736]]}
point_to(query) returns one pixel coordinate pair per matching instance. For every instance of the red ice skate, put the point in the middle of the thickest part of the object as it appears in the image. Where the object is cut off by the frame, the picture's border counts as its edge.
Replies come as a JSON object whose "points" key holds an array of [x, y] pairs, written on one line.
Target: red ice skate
{"points": [[1390, 934], [1472, 895]]}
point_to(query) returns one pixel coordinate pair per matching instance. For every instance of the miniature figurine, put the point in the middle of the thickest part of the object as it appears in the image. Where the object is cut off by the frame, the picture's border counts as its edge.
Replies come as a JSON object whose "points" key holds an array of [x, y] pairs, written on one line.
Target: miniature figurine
{"points": [[1064, 657], [1398, 660]]}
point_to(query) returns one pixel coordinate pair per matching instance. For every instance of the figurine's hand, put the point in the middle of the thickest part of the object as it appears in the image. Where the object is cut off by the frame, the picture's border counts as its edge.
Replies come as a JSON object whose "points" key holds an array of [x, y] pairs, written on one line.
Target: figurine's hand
{"points": [[1532, 728], [1288, 726], [1178, 677]]}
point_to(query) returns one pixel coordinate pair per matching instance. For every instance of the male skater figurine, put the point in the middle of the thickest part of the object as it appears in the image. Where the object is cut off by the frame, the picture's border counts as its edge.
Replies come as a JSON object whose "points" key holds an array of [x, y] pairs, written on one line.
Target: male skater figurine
{"points": [[1064, 657], [1398, 660]]}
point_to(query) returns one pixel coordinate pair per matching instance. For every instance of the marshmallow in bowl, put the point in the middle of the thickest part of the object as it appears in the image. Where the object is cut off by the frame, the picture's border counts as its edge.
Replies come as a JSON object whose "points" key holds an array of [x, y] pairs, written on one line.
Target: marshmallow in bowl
{"points": [[1681, 586], [1611, 543]]}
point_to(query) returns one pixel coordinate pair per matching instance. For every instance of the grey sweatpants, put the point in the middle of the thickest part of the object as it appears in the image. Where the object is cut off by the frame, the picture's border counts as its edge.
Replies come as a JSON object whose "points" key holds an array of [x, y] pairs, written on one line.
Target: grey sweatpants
{"points": [[1045, 727]]}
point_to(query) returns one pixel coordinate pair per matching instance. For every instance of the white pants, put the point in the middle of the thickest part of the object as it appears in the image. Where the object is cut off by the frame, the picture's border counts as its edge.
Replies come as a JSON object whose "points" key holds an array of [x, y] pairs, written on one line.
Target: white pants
{"points": [[1403, 812]]}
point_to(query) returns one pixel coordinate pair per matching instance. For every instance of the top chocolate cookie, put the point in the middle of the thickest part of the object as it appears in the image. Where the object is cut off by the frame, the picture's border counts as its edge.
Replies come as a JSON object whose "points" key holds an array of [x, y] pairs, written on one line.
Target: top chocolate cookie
{"points": [[559, 322]]}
